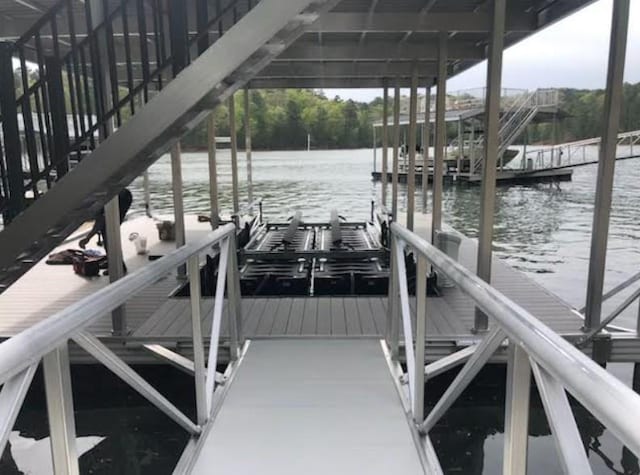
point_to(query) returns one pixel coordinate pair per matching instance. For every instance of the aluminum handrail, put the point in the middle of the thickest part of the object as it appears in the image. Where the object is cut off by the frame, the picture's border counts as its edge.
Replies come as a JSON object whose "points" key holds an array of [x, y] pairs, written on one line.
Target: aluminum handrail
{"points": [[607, 398], [29, 346]]}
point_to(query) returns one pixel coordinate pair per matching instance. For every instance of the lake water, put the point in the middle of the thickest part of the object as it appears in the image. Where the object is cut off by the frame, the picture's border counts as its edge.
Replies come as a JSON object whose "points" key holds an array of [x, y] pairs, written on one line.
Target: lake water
{"points": [[543, 230]]}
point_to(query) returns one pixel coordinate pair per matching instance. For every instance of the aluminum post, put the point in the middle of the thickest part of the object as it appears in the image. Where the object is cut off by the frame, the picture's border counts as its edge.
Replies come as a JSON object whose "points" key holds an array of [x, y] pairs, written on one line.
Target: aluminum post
{"points": [[373, 127], [438, 160], [115, 261], [516, 418], [62, 425], [247, 144], [396, 147], [421, 324], [460, 146], [606, 163], [147, 196], [425, 146], [196, 335], [385, 140], [213, 171], [178, 205], [234, 158], [411, 175], [491, 144]]}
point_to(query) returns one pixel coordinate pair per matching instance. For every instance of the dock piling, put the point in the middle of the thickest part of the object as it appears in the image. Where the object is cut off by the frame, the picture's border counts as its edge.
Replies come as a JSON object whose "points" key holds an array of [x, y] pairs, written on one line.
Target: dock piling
{"points": [[247, 144], [234, 159], [178, 203], [385, 140], [396, 147], [213, 172], [440, 140], [411, 176], [491, 145], [425, 146], [606, 163]]}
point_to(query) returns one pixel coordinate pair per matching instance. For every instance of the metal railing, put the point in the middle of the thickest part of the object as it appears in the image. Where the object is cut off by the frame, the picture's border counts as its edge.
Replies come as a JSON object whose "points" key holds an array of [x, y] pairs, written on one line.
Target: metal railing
{"points": [[95, 67], [580, 152], [557, 366], [48, 340]]}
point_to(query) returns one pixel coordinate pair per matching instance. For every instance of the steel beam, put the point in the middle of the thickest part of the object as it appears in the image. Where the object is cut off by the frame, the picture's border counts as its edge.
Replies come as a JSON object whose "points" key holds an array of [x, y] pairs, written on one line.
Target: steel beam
{"points": [[440, 139], [373, 82], [491, 145], [606, 163], [411, 175], [516, 418], [385, 140], [378, 50], [396, 149], [62, 425], [342, 69], [477, 22]]}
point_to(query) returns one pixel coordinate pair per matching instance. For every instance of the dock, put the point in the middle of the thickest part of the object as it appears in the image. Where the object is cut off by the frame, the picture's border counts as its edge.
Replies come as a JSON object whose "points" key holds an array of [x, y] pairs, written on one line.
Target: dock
{"points": [[503, 177], [158, 316]]}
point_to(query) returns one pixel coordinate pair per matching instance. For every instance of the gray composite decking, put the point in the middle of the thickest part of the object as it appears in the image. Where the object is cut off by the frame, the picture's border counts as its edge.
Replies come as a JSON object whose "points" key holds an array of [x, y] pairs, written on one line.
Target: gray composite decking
{"points": [[154, 315], [310, 407]]}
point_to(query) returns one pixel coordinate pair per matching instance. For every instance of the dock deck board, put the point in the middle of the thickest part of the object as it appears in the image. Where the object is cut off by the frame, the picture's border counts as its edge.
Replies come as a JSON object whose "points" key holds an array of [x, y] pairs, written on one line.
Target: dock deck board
{"points": [[314, 407], [154, 315]]}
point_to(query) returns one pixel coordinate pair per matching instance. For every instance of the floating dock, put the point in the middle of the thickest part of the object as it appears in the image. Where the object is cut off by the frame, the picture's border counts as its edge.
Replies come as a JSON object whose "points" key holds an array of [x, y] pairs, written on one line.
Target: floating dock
{"points": [[158, 315], [503, 177]]}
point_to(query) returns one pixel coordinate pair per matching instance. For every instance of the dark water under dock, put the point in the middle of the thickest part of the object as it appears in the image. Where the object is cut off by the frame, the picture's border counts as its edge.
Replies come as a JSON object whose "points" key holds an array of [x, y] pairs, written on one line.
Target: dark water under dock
{"points": [[542, 230]]}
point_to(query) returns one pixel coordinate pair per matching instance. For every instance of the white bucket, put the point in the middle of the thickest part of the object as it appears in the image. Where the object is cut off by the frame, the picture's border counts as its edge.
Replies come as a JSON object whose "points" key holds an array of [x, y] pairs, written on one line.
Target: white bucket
{"points": [[140, 242]]}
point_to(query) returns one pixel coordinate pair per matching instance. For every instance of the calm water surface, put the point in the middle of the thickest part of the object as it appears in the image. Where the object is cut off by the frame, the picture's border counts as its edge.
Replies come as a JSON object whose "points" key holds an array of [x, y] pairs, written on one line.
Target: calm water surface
{"points": [[543, 230]]}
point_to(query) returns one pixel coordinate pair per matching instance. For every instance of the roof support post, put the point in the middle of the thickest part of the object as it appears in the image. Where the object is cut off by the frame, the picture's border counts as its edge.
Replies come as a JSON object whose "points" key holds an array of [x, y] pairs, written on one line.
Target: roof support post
{"points": [[385, 139], [213, 171], [460, 146], [411, 175], [247, 144], [178, 205], [234, 158], [440, 139], [491, 143], [396, 147], [14, 182], [373, 128], [425, 146], [606, 163]]}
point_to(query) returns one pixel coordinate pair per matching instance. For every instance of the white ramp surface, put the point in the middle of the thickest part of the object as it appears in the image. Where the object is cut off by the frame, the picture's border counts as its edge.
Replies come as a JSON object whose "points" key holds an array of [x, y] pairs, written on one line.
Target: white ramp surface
{"points": [[310, 407]]}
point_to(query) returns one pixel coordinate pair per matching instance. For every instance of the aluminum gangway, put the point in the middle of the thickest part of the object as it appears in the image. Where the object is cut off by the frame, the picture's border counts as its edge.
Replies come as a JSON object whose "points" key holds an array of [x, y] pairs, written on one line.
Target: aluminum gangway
{"points": [[313, 406], [580, 153], [321, 405]]}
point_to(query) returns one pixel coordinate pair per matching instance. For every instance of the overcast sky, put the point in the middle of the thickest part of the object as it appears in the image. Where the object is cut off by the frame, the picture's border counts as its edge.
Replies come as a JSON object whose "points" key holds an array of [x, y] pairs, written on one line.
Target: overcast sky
{"points": [[570, 53]]}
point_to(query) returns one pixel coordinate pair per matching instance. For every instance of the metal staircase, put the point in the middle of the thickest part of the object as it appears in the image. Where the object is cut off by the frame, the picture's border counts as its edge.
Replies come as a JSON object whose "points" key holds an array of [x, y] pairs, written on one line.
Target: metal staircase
{"points": [[512, 123], [115, 101]]}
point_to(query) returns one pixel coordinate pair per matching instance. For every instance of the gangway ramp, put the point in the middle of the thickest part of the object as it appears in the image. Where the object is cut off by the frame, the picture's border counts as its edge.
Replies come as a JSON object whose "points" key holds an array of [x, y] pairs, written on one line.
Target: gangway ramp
{"points": [[312, 406]]}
